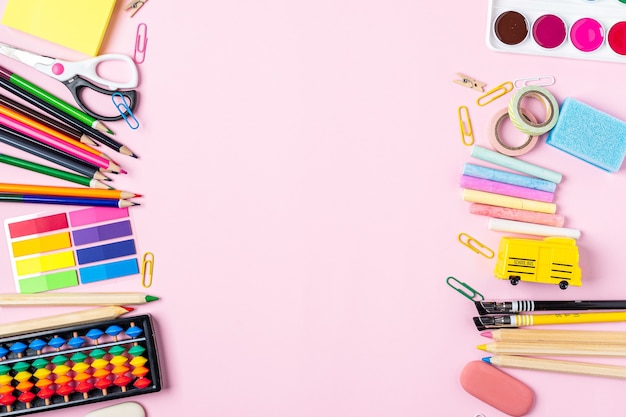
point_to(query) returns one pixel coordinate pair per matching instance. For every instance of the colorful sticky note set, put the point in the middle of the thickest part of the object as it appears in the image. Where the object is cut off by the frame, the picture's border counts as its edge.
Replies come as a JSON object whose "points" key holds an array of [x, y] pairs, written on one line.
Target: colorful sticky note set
{"points": [[76, 24], [60, 250]]}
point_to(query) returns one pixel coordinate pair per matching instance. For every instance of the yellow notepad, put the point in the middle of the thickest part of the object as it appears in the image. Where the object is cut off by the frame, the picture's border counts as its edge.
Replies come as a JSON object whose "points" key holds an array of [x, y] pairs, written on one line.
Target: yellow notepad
{"points": [[76, 24]]}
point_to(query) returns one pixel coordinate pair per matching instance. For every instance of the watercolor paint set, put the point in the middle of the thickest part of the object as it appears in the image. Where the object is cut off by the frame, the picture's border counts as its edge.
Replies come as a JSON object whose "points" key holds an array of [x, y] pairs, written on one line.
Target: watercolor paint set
{"points": [[583, 29], [66, 249], [78, 365]]}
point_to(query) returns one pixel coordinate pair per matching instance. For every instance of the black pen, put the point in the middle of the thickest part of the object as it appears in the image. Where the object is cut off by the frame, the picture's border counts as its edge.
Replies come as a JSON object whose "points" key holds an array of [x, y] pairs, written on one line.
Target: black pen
{"points": [[517, 306]]}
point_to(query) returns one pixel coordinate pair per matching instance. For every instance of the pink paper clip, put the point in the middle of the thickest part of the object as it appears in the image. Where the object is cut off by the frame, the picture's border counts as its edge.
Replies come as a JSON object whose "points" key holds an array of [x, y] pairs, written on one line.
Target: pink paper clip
{"points": [[141, 42]]}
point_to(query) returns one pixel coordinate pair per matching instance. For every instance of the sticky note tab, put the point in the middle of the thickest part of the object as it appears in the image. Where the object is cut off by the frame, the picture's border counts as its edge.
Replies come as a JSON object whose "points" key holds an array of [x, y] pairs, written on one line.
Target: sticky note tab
{"points": [[76, 24], [41, 244], [108, 271], [48, 282], [45, 263]]}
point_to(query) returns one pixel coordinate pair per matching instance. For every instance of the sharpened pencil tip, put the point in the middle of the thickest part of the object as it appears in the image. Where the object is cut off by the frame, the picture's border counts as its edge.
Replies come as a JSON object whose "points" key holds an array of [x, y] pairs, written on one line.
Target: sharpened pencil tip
{"points": [[487, 359], [487, 334], [129, 309], [482, 347], [150, 298], [123, 171]]}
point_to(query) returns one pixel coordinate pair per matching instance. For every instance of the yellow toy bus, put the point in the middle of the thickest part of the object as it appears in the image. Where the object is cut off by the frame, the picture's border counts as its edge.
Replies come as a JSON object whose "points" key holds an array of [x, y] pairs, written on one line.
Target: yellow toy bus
{"points": [[552, 260]]}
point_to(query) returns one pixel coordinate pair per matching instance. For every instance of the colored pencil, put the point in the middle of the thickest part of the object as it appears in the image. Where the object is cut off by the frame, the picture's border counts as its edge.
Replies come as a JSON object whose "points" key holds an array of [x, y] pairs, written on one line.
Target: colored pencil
{"points": [[66, 200], [26, 144], [27, 120], [554, 349], [75, 299], [50, 122], [64, 191], [520, 320], [550, 335], [554, 365], [62, 320], [51, 99], [517, 306], [53, 172], [88, 130], [60, 144]]}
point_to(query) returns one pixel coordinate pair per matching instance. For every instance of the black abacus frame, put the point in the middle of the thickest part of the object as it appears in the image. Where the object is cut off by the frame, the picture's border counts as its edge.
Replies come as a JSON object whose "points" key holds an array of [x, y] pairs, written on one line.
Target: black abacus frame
{"points": [[76, 398]]}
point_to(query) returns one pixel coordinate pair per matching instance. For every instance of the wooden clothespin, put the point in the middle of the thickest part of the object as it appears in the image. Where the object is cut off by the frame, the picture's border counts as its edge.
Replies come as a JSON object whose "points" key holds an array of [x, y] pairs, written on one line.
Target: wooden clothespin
{"points": [[135, 5], [469, 82]]}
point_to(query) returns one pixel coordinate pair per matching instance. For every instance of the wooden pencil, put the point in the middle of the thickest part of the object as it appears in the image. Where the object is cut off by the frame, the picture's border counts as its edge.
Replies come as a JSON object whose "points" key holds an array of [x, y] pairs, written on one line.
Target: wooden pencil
{"points": [[64, 191], [550, 335], [88, 130], [75, 299], [46, 120], [554, 349], [53, 172], [62, 320], [555, 365], [26, 144]]}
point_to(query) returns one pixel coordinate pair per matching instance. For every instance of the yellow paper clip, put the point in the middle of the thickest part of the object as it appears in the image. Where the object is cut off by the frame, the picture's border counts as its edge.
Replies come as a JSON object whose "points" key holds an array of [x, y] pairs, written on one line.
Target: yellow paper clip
{"points": [[467, 134], [495, 93], [475, 245], [135, 5], [471, 293], [147, 269], [540, 81]]}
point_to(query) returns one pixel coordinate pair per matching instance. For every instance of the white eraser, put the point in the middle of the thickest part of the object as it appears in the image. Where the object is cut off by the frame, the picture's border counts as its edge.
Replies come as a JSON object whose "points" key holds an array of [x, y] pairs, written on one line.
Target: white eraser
{"points": [[127, 409]]}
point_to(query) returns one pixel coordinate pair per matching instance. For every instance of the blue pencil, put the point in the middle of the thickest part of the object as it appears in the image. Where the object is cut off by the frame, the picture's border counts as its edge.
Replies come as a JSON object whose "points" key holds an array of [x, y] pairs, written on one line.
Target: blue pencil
{"points": [[76, 201]]}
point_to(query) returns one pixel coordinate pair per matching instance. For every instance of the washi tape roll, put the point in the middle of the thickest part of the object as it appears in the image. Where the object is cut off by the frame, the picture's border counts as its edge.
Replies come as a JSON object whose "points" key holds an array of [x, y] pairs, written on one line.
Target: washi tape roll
{"points": [[525, 125], [496, 141]]}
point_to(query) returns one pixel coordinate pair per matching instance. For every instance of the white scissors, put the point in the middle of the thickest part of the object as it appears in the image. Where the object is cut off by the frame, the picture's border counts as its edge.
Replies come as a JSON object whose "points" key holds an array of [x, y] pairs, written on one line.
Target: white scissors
{"points": [[76, 75]]}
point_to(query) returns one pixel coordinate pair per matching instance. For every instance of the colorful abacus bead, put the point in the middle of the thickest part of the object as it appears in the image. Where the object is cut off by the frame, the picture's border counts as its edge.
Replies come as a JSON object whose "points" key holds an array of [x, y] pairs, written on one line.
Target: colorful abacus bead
{"points": [[134, 331], [37, 345], [45, 393], [103, 384], [94, 334], [18, 348], [113, 331], [56, 343], [122, 381], [7, 400], [3, 352], [76, 341]]}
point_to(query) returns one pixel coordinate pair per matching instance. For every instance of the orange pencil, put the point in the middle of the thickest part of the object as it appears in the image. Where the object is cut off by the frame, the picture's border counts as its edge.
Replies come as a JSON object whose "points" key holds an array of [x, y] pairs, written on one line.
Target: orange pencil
{"points": [[43, 128], [65, 191]]}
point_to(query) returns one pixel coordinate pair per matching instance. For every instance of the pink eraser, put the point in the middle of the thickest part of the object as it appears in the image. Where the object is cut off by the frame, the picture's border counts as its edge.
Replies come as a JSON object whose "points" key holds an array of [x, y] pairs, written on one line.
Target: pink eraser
{"points": [[497, 388]]}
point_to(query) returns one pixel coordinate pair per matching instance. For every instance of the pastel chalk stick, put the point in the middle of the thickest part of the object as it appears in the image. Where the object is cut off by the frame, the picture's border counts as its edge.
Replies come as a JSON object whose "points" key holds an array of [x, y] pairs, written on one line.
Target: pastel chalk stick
{"points": [[512, 226], [557, 220], [515, 164], [499, 175], [482, 184], [590, 135], [475, 196], [497, 388]]}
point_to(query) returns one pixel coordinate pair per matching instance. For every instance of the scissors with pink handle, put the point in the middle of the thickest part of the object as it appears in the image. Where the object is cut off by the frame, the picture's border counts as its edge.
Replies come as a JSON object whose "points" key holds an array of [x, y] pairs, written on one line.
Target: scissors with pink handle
{"points": [[78, 75]]}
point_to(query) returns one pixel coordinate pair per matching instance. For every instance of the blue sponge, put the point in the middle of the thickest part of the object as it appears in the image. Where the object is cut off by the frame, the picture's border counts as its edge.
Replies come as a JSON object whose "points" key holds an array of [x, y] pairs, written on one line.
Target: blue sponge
{"points": [[590, 135]]}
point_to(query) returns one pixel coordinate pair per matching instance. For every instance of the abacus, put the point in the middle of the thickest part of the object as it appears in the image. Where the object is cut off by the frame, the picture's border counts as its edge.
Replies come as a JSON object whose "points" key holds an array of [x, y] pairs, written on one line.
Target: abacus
{"points": [[78, 365]]}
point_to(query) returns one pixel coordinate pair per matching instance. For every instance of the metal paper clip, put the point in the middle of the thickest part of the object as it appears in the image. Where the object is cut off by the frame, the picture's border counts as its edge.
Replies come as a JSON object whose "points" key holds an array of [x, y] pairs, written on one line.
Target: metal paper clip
{"points": [[475, 245], [466, 81], [467, 134], [540, 81], [141, 41], [147, 269], [472, 294], [495, 93], [125, 111], [135, 5]]}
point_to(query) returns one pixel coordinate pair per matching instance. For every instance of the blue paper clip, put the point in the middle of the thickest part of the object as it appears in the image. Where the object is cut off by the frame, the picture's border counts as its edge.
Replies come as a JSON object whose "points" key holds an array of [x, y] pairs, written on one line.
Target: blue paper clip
{"points": [[125, 111], [141, 41]]}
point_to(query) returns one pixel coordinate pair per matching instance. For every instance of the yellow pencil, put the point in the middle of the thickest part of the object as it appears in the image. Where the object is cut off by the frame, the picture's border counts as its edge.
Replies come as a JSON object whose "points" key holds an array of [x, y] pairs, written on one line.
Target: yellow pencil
{"points": [[554, 349], [65, 191], [521, 320], [62, 320], [554, 365], [75, 299]]}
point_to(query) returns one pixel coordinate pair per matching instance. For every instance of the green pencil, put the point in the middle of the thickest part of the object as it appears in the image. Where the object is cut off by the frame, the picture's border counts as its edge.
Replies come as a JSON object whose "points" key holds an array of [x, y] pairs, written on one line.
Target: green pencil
{"points": [[53, 172], [57, 102]]}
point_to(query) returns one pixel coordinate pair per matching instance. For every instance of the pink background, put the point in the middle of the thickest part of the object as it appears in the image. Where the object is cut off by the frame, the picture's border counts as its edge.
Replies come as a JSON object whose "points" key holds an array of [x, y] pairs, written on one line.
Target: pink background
{"points": [[300, 165]]}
